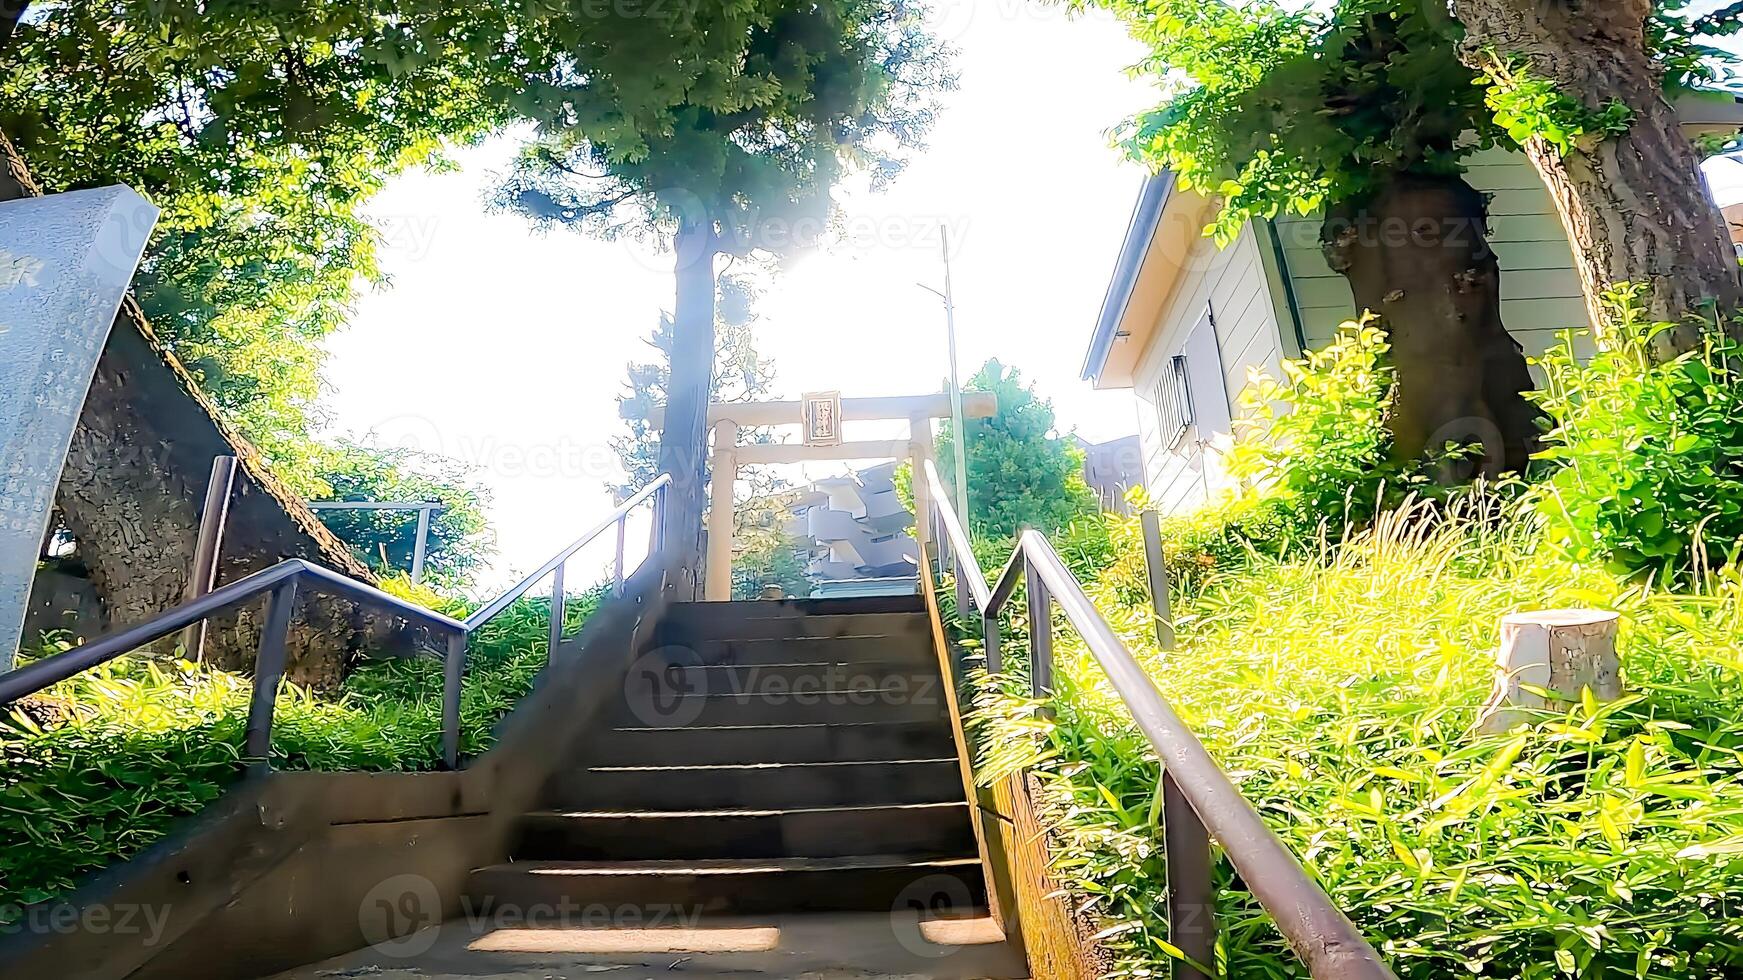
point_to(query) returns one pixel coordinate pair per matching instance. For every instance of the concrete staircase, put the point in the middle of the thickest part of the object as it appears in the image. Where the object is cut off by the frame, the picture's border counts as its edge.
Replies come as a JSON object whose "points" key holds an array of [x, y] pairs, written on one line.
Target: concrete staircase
{"points": [[766, 757], [780, 766]]}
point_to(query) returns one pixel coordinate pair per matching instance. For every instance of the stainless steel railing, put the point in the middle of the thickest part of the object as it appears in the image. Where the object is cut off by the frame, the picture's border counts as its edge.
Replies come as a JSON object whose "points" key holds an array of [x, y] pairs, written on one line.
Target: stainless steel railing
{"points": [[280, 584], [1199, 802]]}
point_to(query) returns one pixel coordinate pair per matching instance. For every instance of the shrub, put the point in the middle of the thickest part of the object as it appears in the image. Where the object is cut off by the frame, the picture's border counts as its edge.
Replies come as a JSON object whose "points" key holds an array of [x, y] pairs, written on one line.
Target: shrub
{"points": [[1317, 439], [1339, 690], [1650, 452]]}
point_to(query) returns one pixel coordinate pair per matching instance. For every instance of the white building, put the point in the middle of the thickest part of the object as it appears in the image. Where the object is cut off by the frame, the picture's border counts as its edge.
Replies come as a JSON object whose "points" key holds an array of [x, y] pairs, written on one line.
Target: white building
{"points": [[858, 530]]}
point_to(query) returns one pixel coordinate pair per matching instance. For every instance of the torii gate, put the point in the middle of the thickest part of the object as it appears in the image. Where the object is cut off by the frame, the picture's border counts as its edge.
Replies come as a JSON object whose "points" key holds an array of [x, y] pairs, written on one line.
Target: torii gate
{"points": [[726, 455]]}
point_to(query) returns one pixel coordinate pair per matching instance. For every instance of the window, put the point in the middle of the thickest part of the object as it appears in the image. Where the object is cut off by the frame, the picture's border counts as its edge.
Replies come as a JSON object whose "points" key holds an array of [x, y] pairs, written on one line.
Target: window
{"points": [[1173, 399]]}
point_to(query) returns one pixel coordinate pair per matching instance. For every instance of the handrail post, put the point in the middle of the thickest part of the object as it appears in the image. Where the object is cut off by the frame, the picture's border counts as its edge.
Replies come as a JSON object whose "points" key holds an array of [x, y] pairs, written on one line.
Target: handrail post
{"points": [[1155, 563], [559, 603], [989, 632], [1040, 631], [963, 605], [204, 575], [268, 668], [453, 672], [1191, 892], [617, 563]]}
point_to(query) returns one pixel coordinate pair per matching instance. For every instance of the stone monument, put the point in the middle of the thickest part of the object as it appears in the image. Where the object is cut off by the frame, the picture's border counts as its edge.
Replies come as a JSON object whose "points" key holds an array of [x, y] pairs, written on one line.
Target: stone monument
{"points": [[66, 261]]}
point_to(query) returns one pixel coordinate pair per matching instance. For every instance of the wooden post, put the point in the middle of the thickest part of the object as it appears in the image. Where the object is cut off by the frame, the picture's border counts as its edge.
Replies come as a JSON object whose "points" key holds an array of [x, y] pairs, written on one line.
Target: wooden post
{"points": [[718, 585], [1562, 651], [1155, 564]]}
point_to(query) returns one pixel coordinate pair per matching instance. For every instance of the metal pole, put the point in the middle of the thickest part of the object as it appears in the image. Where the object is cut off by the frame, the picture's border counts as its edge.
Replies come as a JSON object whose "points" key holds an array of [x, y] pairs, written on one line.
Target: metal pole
{"points": [[207, 545], [268, 668], [453, 672], [657, 533], [955, 386], [617, 564], [422, 546], [1158, 569], [1191, 892], [559, 602], [1040, 631]]}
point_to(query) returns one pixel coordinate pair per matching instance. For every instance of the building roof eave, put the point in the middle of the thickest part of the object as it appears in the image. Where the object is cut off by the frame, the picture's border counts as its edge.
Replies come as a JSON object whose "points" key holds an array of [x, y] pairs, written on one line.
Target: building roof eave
{"points": [[1146, 216]]}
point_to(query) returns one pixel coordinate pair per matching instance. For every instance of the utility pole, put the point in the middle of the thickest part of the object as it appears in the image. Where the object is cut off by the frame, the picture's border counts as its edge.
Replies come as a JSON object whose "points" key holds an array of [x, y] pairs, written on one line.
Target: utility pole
{"points": [[957, 442]]}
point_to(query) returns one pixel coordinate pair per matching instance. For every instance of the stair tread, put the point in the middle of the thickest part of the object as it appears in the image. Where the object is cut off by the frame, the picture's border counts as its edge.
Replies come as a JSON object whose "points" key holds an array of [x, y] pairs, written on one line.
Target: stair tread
{"points": [[730, 866], [738, 811], [692, 767], [773, 726]]}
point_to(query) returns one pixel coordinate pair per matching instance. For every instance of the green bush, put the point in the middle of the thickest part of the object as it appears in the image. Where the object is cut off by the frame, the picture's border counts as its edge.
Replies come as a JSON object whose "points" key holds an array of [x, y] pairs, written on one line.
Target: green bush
{"points": [[1650, 452], [1338, 690], [106, 763], [1317, 438]]}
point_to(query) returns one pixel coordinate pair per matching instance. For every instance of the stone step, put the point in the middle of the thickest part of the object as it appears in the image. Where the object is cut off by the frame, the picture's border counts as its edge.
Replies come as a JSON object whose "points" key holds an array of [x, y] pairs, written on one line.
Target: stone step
{"points": [[918, 828], [759, 609], [900, 699], [772, 651], [800, 676], [818, 742], [758, 786], [684, 630], [732, 886]]}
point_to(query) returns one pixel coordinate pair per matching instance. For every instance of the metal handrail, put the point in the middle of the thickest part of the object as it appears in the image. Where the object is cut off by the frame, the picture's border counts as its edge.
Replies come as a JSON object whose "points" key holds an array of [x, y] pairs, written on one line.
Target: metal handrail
{"points": [[1199, 803], [281, 583], [618, 516]]}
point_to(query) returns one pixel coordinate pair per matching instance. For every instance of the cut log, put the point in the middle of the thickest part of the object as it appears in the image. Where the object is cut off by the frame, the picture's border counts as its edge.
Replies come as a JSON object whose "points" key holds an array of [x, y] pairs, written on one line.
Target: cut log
{"points": [[1559, 651]]}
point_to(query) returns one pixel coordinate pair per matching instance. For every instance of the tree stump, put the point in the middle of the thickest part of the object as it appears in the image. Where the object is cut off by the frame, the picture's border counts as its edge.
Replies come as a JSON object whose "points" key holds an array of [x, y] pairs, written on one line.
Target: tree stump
{"points": [[1561, 651]]}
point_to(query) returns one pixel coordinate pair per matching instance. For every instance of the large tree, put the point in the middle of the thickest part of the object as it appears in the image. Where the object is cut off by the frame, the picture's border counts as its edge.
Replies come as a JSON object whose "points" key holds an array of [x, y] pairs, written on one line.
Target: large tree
{"points": [[728, 146], [1364, 110], [1587, 88]]}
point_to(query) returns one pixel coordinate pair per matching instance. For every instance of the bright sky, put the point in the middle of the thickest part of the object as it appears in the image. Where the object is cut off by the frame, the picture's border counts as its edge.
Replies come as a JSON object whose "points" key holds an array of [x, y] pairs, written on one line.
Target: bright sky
{"points": [[505, 349]]}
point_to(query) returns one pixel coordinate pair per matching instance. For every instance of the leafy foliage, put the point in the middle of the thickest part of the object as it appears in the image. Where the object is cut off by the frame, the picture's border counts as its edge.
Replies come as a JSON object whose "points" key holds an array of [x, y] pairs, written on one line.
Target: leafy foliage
{"points": [[1445, 848], [1021, 471], [757, 110], [103, 765], [1274, 107], [1649, 453], [1317, 439], [460, 538]]}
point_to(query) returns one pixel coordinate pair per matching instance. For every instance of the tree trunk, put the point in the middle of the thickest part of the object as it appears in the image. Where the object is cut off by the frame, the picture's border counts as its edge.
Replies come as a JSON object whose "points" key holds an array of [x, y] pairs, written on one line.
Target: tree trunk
{"points": [[684, 435], [1635, 205], [1417, 256]]}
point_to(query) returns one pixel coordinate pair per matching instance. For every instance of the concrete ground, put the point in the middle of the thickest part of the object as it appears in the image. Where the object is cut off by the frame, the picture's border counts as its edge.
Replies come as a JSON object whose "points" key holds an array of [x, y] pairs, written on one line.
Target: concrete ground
{"points": [[863, 946]]}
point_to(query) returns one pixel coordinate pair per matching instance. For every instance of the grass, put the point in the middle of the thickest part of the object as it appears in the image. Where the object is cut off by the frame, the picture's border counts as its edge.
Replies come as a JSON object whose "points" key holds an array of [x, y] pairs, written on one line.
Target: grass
{"points": [[141, 744], [1338, 688]]}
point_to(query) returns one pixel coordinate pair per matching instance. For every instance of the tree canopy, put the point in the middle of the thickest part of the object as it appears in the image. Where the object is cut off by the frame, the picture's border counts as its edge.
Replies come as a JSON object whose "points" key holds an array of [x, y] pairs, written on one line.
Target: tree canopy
{"points": [[1021, 471]]}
